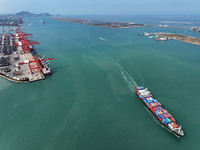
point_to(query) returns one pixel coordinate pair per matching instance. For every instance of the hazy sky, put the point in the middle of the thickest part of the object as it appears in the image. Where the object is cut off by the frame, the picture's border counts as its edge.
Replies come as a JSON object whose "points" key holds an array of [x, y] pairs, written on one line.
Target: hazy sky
{"points": [[110, 7]]}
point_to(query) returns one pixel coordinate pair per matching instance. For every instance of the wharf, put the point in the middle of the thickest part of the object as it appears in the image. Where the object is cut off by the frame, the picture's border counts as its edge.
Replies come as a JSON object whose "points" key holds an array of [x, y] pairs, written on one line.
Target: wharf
{"points": [[5, 21], [18, 61], [18, 65], [37, 75]]}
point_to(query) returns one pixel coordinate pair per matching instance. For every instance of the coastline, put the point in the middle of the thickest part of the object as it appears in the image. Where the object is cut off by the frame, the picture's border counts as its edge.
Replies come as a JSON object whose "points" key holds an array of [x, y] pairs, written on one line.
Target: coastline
{"points": [[107, 24], [120, 25], [179, 37], [12, 79]]}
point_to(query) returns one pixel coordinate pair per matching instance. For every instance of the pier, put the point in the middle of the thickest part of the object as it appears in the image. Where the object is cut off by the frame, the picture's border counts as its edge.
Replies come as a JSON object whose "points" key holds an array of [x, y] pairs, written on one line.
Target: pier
{"points": [[17, 63]]}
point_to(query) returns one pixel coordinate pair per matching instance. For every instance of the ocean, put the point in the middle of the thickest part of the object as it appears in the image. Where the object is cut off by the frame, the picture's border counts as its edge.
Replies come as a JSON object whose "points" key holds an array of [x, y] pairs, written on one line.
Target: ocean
{"points": [[89, 103]]}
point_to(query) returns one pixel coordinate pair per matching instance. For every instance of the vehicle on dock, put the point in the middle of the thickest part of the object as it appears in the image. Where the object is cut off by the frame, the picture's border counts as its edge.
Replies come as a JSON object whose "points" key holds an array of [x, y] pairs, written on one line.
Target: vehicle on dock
{"points": [[158, 111]]}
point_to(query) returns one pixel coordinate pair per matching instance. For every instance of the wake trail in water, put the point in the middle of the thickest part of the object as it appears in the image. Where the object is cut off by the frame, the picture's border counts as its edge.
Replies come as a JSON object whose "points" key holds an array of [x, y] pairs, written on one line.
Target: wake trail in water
{"points": [[131, 83], [128, 79], [103, 39]]}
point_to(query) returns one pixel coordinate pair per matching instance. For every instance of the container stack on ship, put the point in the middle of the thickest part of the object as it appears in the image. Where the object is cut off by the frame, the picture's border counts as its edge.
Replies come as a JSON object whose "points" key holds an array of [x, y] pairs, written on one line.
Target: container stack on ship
{"points": [[158, 111], [18, 61]]}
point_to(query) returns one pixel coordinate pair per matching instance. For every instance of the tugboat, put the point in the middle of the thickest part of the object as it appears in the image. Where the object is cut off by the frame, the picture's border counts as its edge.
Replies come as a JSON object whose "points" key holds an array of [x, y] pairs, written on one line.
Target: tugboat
{"points": [[158, 111]]}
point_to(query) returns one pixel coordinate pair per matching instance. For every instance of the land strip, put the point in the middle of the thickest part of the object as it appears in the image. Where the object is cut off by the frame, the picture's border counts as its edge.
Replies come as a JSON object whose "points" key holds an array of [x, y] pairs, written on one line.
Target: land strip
{"points": [[179, 37], [107, 24]]}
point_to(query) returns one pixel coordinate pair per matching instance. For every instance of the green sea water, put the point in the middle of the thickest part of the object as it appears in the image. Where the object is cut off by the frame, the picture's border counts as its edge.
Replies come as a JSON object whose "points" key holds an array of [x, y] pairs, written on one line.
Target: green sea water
{"points": [[89, 102]]}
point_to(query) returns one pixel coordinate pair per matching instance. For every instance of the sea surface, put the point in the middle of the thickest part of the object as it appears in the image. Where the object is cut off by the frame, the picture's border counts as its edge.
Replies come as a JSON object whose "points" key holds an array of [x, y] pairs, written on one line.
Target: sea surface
{"points": [[89, 102]]}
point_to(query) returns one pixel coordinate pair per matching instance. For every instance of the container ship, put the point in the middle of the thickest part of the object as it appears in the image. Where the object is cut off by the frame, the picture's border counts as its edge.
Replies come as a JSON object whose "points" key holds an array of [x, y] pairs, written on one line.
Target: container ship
{"points": [[158, 111]]}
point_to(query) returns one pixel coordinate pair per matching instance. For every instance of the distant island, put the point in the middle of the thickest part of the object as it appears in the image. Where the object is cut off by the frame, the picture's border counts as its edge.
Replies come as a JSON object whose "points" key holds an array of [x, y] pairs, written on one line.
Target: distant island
{"points": [[107, 24], [23, 14], [173, 36], [117, 25]]}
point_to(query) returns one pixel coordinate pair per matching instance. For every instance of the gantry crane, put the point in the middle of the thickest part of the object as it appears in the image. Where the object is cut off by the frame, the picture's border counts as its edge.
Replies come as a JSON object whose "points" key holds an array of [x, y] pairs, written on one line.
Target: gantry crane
{"points": [[36, 64]]}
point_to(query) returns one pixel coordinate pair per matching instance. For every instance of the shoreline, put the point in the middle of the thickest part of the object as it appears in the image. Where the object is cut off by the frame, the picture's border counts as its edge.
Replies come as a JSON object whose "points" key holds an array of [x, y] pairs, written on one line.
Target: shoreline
{"points": [[120, 25], [179, 37], [113, 24], [12, 79], [107, 24]]}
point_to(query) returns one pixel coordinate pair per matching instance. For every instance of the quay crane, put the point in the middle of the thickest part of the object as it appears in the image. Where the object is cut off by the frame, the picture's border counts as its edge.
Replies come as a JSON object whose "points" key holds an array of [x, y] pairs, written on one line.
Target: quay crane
{"points": [[38, 64], [23, 40]]}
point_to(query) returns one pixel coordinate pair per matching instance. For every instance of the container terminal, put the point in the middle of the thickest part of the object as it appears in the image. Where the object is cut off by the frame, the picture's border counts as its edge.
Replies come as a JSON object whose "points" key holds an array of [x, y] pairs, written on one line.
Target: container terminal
{"points": [[10, 21], [161, 114], [18, 62]]}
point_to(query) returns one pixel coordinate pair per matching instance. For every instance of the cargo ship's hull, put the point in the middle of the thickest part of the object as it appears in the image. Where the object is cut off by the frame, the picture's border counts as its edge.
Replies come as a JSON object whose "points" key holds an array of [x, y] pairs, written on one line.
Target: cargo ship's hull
{"points": [[157, 118], [174, 131]]}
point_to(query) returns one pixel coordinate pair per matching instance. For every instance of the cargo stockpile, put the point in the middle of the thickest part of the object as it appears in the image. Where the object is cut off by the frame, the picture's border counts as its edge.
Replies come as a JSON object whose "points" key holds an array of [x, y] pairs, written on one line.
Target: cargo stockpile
{"points": [[158, 111]]}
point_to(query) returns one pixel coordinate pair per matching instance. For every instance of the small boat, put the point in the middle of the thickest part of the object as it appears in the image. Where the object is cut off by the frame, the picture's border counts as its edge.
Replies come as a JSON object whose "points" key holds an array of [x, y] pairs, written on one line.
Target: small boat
{"points": [[42, 21], [146, 34], [141, 34], [150, 37]]}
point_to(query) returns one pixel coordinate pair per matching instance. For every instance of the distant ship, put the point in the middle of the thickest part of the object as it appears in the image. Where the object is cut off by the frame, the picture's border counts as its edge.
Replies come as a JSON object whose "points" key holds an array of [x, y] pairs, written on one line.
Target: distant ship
{"points": [[42, 21], [158, 111]]}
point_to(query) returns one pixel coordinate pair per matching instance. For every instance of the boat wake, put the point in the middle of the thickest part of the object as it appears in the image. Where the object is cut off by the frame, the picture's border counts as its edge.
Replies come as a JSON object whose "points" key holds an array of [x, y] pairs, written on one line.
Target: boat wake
{"points": [[103, 39], [127, 78]]}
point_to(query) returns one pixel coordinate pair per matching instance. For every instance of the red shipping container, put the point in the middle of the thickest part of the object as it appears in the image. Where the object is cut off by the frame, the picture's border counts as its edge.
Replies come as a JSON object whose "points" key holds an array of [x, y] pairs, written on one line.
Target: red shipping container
{"points": [[154, 109], [159, 118], [172, 119], [176, 126]]}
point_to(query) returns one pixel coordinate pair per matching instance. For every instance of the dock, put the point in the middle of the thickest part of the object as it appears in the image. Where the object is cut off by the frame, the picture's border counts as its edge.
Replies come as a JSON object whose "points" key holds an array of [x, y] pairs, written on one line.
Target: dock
{"points": [[17, 63], [36, 75]]}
